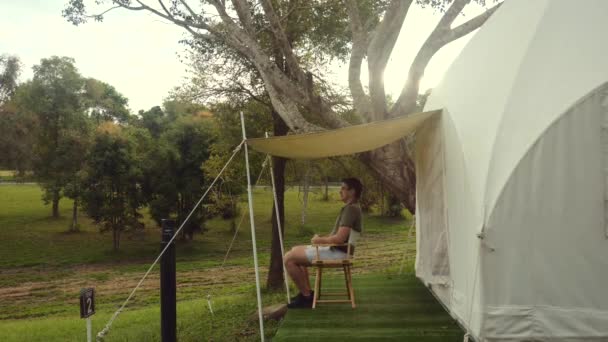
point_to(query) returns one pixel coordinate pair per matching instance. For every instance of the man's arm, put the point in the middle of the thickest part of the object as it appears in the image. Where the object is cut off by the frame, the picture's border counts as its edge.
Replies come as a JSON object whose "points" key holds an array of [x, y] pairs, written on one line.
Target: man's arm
{"points": [[341, 236]]}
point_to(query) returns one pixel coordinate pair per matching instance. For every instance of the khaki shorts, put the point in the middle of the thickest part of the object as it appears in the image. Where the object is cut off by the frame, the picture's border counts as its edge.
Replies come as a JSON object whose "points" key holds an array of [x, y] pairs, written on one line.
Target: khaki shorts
{"points": [[325, 253]]}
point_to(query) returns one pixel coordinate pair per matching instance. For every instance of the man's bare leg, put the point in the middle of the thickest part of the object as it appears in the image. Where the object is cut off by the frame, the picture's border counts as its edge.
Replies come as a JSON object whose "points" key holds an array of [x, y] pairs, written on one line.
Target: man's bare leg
{"points": [[306, 277], [295, 263]]}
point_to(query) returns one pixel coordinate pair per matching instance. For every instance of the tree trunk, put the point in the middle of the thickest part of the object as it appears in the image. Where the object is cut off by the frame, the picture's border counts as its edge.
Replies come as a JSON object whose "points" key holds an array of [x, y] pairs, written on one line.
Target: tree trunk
{"points": [[394, 167], [115, 239], [74, 226], [382, 212], [275, 271], [234, 214], [55, 204], [326, 195], [20, 172], [306, 192]]}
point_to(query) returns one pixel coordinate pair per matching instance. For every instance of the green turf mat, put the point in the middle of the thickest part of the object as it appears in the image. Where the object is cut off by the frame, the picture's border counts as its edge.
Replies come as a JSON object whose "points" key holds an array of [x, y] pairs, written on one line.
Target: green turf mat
{"points": [[389, 308]]}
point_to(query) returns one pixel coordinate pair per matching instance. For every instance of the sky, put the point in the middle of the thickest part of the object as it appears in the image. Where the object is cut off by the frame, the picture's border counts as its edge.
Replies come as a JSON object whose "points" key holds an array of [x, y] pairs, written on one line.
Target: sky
{"points": [[137, 53]]}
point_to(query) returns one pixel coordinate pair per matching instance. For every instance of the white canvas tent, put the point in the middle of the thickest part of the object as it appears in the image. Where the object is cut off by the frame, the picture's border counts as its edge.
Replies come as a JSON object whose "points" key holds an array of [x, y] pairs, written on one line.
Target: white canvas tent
{"points": [[512, 176], [512, 179]]}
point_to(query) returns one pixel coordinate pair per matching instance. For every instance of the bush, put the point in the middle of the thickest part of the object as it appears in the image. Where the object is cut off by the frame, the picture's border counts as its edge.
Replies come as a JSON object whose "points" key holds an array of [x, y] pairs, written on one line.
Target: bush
{"points": [[222, 205]]}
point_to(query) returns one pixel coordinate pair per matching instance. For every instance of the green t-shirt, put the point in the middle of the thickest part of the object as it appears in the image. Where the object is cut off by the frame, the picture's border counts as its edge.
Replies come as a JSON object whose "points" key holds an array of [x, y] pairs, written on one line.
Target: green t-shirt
{"points": [[350, 216]]}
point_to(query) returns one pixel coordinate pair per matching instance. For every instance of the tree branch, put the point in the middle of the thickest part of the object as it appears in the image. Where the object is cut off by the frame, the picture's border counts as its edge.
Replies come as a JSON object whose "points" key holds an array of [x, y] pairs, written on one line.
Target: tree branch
{"points": [[106, 11], [253, 96], [243, 11], [379, 51], [282, 41], [286, 94], [192, 13], [282, 89], [441, 36], [185, 24], [450, 15], [473, 24], [361, 101], [220, 7], [288, 109], [168, 16]]}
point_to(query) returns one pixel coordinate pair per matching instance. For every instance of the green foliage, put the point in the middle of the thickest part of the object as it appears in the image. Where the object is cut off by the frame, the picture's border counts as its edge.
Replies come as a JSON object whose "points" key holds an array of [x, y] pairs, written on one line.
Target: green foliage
{"points": [[153, 120], [10, 68], [442, 5], [224, 197], [111, 180], [174, 179], [104, 102], [54, 97], [18, 131], [48, 129]]}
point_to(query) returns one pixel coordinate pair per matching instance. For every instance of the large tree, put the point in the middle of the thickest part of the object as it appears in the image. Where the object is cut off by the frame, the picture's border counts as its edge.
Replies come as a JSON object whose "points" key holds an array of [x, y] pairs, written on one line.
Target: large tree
{"points": [[10, 69], [54, 96], [111, 181], [174, 167], [52, 117], [244, 27], [17, 125]]}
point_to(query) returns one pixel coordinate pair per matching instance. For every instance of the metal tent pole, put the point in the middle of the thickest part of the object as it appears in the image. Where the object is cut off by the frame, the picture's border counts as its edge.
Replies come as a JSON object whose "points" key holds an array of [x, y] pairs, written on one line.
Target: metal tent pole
{"points": [[253, 242]]}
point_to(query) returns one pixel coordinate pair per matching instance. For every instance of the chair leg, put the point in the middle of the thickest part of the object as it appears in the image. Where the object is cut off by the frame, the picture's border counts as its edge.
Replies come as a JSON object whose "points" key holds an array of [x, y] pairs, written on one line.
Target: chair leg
{"points": [[320, 289], [316, 294], [346, 282], [350, 287]]}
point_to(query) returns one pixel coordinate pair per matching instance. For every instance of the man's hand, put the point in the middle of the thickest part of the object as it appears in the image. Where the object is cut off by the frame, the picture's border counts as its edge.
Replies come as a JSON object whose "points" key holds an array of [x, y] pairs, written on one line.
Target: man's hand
{"points": [[315, 239]]}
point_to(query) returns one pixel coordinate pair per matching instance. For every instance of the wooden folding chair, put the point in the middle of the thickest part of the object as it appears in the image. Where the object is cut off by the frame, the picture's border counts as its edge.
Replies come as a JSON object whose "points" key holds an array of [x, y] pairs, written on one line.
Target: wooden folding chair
{"points": [[345, 264]]}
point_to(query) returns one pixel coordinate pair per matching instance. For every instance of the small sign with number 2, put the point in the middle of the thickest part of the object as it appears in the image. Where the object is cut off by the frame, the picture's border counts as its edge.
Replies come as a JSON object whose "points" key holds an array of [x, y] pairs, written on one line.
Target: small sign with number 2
{"points": [[87, 302]]}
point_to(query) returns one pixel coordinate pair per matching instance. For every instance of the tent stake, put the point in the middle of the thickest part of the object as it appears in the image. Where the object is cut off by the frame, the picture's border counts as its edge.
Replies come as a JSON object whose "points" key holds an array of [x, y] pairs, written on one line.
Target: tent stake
{"points": [[253, 242]]}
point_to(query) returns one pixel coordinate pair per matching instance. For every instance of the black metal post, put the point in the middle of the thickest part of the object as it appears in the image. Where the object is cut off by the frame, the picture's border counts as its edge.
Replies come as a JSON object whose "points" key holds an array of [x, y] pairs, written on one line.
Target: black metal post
{"points": [[168, 310]]}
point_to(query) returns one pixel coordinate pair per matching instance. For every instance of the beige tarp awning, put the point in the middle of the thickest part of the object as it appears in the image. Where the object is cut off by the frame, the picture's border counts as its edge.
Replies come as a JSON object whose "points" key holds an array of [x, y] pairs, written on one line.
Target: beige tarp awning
{"points": [[342, 141]]}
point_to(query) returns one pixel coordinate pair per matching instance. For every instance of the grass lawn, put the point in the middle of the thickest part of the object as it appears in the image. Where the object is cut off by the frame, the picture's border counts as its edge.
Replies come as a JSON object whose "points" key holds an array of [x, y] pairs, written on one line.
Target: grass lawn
{"points": [[43, 268], [13, 176], [7, 175]]}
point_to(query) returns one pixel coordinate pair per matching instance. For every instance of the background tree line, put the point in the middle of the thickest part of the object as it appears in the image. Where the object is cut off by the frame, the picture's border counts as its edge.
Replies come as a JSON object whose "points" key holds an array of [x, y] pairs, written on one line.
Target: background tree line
{"points": [[79, 140]]}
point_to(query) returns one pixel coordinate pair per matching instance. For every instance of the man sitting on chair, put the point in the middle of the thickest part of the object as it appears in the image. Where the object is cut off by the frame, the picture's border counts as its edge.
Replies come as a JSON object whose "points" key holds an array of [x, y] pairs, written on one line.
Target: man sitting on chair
{"points": [[299, 258]]}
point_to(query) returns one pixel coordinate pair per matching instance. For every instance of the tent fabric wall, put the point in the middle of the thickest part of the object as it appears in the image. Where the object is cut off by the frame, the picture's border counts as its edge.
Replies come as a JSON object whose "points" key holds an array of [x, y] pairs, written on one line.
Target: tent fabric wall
{"points": [[431, 213], [477, 86], [604, 140], [499, 106], [563, 63], [464, 226], [544, 278]]}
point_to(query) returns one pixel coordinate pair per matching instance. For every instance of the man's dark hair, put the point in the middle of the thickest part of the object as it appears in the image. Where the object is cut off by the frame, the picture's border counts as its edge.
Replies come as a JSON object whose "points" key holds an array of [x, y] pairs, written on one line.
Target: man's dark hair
{"points": [[354, 183]]}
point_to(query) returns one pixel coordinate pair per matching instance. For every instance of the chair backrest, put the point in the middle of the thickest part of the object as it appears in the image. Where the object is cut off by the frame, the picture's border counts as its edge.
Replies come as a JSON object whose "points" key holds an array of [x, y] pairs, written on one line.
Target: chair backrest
{"points": [[353, 237]]}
